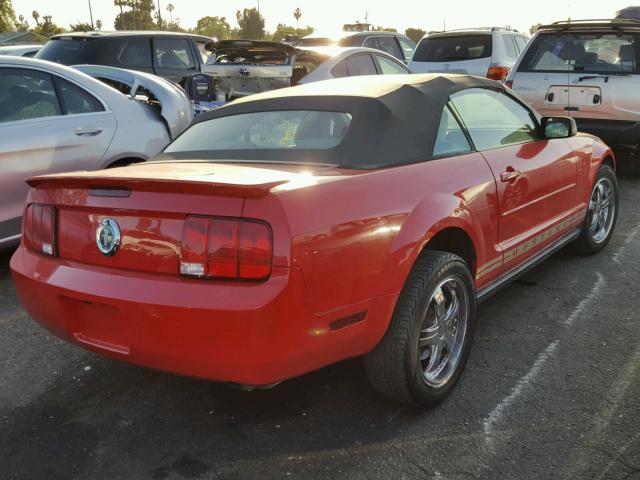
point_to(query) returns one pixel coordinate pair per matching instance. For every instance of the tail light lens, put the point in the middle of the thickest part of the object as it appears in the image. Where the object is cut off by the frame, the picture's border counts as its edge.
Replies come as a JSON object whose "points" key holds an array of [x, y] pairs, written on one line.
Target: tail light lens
{"points": [[40, 228], [226, 248], [498, 73]]}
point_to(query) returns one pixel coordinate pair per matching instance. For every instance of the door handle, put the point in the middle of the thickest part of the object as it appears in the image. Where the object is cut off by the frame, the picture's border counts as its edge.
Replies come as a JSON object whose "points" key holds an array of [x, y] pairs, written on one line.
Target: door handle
{"points": [[88, 132], [509, 174]]}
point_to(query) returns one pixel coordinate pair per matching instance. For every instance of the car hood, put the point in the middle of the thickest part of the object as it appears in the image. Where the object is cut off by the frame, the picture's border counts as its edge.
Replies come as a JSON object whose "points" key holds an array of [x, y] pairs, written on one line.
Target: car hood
{"points": [[175, 106]]}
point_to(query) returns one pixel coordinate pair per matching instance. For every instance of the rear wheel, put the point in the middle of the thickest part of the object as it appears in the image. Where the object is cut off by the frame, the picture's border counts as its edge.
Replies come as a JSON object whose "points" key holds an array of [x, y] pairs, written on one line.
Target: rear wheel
{"points": [[428, 340], [602, 212]]}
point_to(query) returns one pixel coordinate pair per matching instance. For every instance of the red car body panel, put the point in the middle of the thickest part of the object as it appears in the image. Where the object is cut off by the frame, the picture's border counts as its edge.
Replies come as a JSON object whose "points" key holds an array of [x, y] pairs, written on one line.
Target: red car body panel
{"points": [[333, 259], [344, 243]]}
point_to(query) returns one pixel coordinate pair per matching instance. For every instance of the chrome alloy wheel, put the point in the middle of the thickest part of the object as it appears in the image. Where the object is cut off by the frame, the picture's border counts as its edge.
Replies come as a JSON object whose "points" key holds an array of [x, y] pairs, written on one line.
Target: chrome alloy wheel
{"points": [[602, 209], [443, 330]]}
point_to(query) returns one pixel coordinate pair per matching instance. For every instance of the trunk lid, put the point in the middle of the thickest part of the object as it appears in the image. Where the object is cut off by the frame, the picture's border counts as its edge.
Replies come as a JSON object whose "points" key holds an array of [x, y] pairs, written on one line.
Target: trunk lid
{"points": [[149, 203], [246, 67]]}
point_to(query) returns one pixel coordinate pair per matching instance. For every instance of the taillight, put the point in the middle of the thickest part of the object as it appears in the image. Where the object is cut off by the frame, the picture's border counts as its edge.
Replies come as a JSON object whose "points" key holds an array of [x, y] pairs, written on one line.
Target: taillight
{"points": [[40, 228], [226, 248], [498, 73]]}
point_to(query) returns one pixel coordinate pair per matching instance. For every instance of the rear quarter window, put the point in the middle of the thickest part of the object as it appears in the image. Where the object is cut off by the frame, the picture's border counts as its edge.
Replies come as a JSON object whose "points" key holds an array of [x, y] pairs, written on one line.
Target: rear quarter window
{"points": [[453, 48], [72, 51]]}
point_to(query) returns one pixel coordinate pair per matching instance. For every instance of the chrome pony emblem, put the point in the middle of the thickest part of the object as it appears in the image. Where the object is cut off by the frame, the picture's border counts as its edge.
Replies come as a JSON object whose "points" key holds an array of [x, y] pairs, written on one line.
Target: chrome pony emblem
{"points": [[244, 72], [108, 236]]}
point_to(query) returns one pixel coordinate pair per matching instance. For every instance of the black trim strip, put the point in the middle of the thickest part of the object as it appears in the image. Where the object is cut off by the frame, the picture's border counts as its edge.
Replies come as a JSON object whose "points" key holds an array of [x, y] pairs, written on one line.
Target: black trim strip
{"points": [[504, 280]]}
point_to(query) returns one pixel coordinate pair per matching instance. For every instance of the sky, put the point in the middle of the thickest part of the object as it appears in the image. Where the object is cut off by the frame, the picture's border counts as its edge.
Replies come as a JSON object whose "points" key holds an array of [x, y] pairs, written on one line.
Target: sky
{"points": [[329, 15]]}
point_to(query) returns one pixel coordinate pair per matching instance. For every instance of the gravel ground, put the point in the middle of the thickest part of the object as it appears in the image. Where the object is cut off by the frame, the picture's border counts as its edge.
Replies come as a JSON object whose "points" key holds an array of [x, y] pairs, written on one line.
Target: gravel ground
{"points": [[551, 391]]}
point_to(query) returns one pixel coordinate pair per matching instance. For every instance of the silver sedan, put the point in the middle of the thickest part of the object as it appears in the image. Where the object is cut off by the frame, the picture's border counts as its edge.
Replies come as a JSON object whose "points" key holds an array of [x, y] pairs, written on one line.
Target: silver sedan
{"points": [[55, 118]]}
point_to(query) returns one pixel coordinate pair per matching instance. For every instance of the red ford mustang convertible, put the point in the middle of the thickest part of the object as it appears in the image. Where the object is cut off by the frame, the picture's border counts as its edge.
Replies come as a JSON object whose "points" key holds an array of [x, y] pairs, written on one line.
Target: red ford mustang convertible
{"points": [[297, 228]]}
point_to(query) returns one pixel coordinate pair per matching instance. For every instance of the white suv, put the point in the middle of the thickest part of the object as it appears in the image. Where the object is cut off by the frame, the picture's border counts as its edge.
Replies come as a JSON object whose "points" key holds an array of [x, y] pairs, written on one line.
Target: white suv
{"points": [[485, 52], [589, 70]]}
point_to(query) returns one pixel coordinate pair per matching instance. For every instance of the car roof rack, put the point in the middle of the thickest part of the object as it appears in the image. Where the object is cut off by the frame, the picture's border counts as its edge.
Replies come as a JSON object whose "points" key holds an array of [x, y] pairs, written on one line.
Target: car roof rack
{"points": [[616, 23]]}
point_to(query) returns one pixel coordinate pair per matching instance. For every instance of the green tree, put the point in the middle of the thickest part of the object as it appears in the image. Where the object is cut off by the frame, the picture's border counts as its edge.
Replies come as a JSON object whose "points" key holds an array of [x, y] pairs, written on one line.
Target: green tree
{"points": [[7, 16], [98, 24], [214, 27], [297, 13], [283, 30], [80, 27], [139, 15], [22, 25], [251, 24], [170, 9], [45, 26], [415, 34]]}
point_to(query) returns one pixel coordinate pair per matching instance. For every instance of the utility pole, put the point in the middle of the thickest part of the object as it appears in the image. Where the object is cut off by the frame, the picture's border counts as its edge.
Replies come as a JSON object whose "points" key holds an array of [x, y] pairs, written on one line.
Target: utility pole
{"points": [[91, 15], [159, 16]]}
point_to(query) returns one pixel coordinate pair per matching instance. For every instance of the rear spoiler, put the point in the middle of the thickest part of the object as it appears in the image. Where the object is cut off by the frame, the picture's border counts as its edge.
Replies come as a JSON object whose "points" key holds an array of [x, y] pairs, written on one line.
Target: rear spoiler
{"points": [[197, 187]]}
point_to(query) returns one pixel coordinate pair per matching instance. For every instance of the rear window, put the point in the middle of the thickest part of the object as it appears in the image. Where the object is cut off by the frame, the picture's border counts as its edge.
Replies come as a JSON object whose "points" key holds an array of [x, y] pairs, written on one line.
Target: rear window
{"points": [[252, 56], [295, 129], [453, 48], [316, 42], [595, 53], [70, 51]]}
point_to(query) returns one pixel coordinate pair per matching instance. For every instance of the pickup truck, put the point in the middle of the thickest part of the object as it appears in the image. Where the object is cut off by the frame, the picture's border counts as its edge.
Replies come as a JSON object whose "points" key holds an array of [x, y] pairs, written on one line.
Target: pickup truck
{"points": [[167, 54]]}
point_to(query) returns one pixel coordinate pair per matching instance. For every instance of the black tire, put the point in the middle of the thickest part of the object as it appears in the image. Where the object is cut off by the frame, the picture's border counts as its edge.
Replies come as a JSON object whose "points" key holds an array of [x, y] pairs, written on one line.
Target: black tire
{"points": [[394, 367], [588, 242]]}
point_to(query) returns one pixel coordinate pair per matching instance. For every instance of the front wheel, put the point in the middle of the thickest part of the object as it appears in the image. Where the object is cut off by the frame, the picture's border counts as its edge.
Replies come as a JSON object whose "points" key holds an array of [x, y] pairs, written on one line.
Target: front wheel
{"points": [[602, 212], [428, 340]]}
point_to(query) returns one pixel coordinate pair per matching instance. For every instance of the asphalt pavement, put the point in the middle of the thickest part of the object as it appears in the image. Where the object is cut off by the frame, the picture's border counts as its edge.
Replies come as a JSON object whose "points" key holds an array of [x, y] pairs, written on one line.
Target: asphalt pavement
{"points": [[551, 391]]}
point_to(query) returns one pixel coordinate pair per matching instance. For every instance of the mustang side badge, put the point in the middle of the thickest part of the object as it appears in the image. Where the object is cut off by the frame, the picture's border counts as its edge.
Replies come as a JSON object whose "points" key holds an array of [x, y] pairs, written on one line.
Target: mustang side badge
{"points": [[108, 236]]}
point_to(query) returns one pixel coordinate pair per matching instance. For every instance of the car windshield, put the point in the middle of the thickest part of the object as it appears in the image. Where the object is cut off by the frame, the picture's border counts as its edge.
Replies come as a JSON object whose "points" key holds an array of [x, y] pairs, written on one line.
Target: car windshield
{"points": [[69, 51], [288, 130], [604, 53], [451, 48]]}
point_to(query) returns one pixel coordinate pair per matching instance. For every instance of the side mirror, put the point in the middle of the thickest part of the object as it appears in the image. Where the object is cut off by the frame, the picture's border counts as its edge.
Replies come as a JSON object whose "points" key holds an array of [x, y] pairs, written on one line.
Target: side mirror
{"points": [[559, 127]]}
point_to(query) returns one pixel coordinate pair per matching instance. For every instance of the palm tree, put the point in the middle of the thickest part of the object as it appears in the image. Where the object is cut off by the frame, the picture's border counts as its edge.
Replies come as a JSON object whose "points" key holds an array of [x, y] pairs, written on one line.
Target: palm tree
{"points": [[170, 9], [297, 13]]}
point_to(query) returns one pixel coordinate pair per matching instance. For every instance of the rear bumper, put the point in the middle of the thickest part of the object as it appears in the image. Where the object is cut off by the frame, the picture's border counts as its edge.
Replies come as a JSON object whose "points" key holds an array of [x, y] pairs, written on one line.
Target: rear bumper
{"points": [[253, 334], [618, 134]]}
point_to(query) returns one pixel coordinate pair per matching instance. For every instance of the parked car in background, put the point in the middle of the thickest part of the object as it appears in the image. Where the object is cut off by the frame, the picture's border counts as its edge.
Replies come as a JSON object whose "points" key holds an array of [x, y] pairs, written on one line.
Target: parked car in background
{"points": [[167, 54], [589, 70], [20, 50], [293, 229], [247, 67], [485, 52], [56, 119], [395, 44]]}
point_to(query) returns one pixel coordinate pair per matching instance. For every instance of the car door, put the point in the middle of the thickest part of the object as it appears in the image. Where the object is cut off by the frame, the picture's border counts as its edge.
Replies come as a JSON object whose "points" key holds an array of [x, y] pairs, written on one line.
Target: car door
{"points": [[133, 53], [535, 177], [47, 125], [173, 58]]}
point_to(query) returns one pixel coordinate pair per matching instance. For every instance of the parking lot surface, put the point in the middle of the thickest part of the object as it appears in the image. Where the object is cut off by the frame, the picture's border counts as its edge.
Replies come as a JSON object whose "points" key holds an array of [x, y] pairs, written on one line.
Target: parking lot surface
{"points": [[550, 391]]}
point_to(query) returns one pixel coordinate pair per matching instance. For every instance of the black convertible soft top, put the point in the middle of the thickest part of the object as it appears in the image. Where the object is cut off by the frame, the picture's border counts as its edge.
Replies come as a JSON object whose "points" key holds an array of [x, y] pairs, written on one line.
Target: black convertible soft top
{"points": [[395, 118]]}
